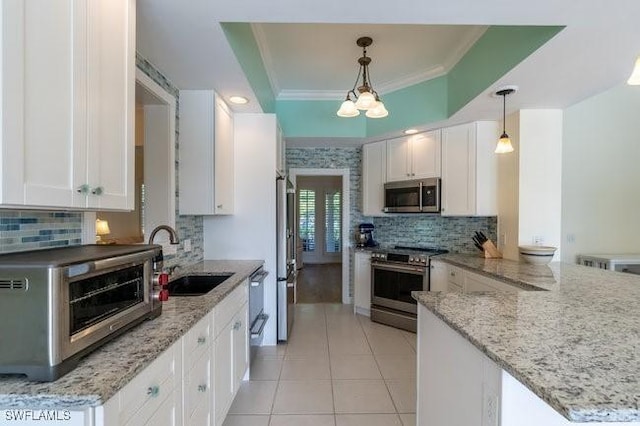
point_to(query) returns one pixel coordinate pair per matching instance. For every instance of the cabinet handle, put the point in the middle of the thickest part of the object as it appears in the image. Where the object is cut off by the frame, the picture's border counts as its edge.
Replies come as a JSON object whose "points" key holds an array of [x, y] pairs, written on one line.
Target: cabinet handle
{"points": [[153, 391], [237, 325], [202, 388], [453, 274], [219, 206], [97, 190], [202, 340], [83, 189]]}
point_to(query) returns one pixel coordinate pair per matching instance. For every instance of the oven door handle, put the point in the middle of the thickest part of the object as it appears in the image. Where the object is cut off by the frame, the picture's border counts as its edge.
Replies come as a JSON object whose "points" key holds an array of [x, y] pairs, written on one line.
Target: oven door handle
{"points": [[420, 194], [419, 269]]}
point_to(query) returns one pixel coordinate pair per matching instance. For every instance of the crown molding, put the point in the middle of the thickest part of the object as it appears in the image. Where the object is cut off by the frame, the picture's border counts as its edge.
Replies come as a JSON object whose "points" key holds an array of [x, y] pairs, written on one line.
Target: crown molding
{"points": [[311, 95], [409, 80], [463, 48], [265, 53]]}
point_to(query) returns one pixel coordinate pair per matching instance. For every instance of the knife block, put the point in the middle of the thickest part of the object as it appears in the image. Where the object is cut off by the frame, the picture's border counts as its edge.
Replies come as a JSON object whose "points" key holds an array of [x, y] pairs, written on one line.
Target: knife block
{"points": [[491, 251]]}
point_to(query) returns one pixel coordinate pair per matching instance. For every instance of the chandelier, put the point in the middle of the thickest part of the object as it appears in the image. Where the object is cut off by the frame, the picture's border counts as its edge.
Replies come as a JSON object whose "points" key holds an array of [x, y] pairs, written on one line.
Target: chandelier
{"points": [[367, 99]]}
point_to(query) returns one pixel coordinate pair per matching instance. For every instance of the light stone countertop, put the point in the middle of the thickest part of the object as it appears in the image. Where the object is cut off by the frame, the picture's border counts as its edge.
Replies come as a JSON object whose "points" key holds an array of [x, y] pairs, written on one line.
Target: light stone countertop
{"points": [[575, 343], [102, 373]]}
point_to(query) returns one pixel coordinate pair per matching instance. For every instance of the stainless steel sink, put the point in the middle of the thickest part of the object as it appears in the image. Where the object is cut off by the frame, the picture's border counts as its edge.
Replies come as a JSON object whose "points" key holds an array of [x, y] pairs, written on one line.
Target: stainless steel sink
{"points": [[195, 285]]}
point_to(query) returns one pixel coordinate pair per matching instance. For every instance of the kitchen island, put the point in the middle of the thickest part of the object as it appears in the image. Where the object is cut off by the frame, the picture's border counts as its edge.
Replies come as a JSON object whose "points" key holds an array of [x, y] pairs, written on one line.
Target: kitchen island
{"points": [[107, 370], [574, 344]]}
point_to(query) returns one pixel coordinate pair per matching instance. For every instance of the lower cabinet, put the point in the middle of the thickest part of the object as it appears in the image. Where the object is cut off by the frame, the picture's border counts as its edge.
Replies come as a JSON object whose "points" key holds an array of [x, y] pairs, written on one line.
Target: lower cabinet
{"points": [[445, 277], [362, 283], [195, 380]]}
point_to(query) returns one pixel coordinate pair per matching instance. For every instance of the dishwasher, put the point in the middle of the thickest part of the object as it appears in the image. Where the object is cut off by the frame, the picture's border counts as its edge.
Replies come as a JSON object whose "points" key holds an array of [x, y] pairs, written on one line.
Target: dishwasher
{"points": [[257, 318]]}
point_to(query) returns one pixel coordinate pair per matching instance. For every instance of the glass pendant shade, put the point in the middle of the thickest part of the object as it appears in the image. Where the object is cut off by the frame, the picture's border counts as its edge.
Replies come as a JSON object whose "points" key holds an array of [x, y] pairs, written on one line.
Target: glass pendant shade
{"points": [[504, 145], [634, 79], [378, 111], [366, 101], [348, 109]]}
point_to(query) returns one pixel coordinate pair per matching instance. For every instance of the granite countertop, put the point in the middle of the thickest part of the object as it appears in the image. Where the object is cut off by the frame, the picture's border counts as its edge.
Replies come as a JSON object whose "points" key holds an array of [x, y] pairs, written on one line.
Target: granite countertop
{"points": [[576, 345], [101, 374]]}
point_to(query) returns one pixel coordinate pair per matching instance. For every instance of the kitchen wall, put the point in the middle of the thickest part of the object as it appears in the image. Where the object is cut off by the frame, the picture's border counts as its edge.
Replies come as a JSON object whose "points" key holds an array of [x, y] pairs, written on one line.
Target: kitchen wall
{"points": [[601, 174], [29, 229]]}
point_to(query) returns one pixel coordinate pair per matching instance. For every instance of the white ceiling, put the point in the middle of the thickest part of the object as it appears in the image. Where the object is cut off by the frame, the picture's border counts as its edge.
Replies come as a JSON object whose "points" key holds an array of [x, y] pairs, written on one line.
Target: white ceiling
{"points": [[320, 61], [594, 52]]}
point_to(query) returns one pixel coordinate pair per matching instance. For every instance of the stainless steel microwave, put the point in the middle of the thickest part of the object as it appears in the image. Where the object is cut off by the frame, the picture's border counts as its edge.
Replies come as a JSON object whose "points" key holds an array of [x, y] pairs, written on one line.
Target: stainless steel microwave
{"points": [[412, 196]]}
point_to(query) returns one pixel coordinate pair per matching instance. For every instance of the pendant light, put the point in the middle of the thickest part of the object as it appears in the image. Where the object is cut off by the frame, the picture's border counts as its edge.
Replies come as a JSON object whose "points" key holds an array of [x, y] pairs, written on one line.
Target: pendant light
{"points": [[504, 143], [368, 99], [634, 79]]}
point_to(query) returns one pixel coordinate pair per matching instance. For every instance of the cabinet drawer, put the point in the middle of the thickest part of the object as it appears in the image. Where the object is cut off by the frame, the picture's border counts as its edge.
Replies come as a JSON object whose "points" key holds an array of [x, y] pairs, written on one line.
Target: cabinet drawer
{"points": [[147, 391], [197, 341], [476, 281], [456, 275], [197, 387], [226, 309]]}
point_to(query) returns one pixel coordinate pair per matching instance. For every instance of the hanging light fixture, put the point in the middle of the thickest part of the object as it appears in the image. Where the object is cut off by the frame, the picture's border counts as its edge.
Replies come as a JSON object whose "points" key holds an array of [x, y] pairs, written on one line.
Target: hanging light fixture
{"points": [[634, 79], [504, 143], [367, 99]]}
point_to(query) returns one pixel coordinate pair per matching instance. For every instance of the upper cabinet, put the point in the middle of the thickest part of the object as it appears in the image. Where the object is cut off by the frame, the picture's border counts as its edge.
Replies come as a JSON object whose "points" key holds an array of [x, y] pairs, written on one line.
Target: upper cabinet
{"points": [[469, 169], [414, 157], [68, 82], [374, 162], [206, 164]]}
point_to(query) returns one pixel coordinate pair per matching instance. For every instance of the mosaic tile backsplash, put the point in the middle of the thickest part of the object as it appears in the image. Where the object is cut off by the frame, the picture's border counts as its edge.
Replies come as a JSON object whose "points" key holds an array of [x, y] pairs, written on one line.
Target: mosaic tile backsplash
{"points": [[30, 229]]}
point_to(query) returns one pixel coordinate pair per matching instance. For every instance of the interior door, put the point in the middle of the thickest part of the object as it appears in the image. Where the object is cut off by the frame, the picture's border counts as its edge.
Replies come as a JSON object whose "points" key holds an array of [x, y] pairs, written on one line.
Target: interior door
{"points": [[320, 218]]}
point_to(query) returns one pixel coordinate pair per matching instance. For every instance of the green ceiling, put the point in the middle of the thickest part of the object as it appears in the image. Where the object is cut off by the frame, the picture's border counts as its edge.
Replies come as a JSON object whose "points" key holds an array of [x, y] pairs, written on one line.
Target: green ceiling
{"points": [[496, 52]]}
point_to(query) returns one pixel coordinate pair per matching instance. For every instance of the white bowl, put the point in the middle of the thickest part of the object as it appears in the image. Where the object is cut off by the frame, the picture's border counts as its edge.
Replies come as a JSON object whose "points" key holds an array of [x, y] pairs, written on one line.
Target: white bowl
{"points": [[537, 255]]}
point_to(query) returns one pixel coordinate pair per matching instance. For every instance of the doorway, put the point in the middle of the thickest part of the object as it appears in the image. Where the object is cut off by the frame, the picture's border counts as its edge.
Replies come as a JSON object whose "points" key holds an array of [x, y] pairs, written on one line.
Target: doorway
{"points": [[155, 117], [322, 221]]}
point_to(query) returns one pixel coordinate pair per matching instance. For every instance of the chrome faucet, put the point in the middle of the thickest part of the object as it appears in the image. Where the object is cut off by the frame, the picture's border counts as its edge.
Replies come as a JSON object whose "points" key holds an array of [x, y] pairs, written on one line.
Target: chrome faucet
{"points": [[173, 235]]}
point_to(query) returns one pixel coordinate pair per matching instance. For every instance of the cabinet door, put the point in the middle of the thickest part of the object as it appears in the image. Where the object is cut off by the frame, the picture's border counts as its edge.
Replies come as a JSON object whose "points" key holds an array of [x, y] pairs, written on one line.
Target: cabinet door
{"points": [[43, 91], [398, 159], [197, 388], [362, 283], [111, 103], [425, 155], [223, 373], [167, 415], [240, 356], [374, 163], [458, 171], [438, 276], [224, 179]]}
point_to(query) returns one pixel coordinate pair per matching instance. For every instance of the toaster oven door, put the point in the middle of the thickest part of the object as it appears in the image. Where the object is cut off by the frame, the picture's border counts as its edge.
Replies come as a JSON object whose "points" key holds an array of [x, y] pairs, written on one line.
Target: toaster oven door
{"points": [[103, 302]]}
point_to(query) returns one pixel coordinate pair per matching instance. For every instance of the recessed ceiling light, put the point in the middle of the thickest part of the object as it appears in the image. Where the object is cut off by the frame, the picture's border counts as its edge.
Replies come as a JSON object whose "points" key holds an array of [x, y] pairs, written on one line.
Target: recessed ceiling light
{"points": [[238, 100], [411, 131]]}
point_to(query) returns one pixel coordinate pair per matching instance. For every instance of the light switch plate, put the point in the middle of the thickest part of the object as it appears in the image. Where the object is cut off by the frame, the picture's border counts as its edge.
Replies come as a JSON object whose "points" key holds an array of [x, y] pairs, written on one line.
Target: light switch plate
{"points": [[186, 245]]}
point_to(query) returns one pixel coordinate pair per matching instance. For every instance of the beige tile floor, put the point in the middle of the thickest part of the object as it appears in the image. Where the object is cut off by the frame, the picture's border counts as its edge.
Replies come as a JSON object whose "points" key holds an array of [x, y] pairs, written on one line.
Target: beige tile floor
{"points": [[338, 369]]}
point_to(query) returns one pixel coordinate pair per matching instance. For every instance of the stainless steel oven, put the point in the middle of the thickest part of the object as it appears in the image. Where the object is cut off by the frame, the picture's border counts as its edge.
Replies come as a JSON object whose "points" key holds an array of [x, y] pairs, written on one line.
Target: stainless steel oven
{"points": [[395, 273], [59, 304]]}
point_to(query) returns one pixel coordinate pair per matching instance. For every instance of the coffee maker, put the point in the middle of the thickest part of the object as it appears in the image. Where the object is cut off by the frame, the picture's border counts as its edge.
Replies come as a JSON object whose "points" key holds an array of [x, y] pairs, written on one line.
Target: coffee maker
{"points": [[364, 235]]}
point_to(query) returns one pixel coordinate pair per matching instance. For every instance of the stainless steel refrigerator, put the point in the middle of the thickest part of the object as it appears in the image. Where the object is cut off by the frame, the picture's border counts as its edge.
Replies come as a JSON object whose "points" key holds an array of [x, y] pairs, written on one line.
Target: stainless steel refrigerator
{"points": [[285, 251]]}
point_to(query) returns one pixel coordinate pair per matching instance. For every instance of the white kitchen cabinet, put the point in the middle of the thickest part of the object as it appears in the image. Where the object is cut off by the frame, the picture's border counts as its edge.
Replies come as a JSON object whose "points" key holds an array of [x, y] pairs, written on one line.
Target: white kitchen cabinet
{"points": [[469, 169], [223, 373], [414, 157], [68, 75], [206, 165], [240, 346], [476, 282], [374, 176], [362, 283], [438, 277]]}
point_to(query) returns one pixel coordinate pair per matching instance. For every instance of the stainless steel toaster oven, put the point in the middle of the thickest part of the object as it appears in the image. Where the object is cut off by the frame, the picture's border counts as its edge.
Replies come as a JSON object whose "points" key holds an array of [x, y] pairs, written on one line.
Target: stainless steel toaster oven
{"points": [[58, 304]]}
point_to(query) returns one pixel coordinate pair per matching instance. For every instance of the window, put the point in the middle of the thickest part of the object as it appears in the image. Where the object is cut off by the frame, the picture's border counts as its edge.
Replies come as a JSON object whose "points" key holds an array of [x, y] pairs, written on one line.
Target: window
{"points": [[307, 226], [333, 216]]}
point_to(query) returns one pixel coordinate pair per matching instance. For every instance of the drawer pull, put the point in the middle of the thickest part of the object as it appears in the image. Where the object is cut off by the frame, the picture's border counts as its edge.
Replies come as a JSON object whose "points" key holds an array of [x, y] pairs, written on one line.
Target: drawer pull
{"points": [[202, 388], [202, 340], [153, 391], [237, 325]]}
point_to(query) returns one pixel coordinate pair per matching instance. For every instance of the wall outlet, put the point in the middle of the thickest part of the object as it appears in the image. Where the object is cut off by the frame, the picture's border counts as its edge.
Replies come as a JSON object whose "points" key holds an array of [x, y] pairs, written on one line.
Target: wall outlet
{"points": [[490, 415], [186, 245], [503, 239], [538, 240]]}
